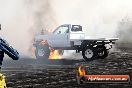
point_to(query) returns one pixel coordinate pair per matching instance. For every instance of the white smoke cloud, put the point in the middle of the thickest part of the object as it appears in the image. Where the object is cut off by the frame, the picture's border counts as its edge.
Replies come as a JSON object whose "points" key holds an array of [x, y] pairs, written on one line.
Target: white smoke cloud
{"points": [[21, 19], [99, 17], [15, 24]]}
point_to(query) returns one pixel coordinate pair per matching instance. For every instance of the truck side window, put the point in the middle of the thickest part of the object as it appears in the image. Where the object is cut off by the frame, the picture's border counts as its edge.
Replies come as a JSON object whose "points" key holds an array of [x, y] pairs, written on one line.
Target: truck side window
{"points": [[76, 28], [62, 30]]}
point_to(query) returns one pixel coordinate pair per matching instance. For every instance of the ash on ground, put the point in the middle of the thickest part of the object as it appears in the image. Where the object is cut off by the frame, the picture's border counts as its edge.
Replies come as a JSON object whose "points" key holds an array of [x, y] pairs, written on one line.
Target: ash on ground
{"points": [[62, 73]]}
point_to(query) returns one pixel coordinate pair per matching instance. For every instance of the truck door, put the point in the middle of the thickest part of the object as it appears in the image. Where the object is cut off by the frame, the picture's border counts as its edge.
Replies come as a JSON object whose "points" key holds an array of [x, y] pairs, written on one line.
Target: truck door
{"points": [[61, 36]]}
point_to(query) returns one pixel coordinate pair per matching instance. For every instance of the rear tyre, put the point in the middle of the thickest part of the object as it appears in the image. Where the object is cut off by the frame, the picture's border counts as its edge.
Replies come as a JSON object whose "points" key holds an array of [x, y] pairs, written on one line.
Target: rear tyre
{"points": [[89, 53], [102, 51], [42, 52]]}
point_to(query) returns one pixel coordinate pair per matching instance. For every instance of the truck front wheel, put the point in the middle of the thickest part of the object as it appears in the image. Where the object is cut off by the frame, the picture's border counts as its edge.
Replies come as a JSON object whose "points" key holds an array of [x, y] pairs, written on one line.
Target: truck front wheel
{"points": [[42, 52], [89, 53]]}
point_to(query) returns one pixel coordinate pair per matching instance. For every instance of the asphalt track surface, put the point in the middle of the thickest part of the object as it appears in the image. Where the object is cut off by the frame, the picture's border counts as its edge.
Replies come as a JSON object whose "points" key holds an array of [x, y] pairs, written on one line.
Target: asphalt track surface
{"points": [[62, 74]]}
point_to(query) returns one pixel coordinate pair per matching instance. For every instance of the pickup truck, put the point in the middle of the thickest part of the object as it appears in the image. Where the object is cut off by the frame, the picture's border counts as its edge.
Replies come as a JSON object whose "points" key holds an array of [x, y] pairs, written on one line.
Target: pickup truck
{"points": [[72, 37]]}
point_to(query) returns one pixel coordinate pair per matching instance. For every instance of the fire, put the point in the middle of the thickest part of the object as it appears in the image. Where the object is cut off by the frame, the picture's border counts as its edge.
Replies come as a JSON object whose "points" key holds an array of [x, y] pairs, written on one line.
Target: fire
{"points": [[81, 71], [54, 54]]}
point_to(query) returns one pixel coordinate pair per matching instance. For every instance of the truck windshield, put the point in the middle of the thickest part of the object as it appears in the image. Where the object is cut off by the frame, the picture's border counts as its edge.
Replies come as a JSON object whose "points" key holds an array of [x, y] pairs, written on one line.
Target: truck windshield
{"points": [[62, 29]]}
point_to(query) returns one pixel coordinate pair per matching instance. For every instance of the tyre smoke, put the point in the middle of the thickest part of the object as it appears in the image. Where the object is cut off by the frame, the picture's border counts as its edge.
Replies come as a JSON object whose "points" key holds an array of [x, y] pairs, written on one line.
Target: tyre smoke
{"points": [[99, 18], [22, 19]]}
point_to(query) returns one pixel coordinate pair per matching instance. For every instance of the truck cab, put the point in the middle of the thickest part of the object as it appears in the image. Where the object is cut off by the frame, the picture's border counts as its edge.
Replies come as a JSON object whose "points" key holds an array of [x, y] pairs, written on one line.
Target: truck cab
{"points": [[65, 34], [70, 30], [61, 36]]}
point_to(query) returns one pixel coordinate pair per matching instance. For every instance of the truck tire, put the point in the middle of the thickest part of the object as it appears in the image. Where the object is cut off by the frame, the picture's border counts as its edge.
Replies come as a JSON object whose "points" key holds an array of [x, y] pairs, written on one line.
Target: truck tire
{"points": [[102, 51], [42, 52], [89, 53]]}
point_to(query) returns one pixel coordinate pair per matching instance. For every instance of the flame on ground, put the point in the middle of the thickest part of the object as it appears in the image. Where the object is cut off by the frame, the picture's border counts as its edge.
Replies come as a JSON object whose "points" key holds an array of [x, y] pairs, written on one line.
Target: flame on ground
{"points": [[81, 71], [54, 54]]}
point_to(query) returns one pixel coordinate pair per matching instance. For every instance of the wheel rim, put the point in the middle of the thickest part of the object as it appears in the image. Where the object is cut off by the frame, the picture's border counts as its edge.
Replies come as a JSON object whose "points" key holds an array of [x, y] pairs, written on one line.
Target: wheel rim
{"points": [[41, 52], [89, 53]]}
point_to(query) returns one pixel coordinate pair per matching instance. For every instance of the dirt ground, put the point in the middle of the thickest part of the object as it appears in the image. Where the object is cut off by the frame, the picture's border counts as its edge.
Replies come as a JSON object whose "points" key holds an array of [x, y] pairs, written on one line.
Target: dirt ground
{"points": [[64, 75]]}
